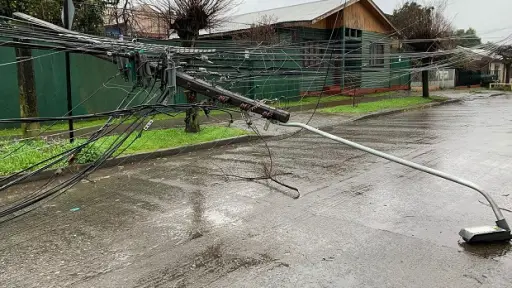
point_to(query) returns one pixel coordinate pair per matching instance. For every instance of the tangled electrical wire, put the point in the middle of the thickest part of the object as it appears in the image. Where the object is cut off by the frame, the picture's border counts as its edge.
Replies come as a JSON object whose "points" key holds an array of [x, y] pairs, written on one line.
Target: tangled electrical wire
{"points": [[135, 120], [157, 69], [145, 65]]}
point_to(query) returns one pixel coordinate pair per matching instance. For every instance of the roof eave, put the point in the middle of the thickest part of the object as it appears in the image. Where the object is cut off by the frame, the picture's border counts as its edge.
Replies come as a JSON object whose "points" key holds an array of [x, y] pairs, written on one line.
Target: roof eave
{"points": [[351, 2], [279, 24], [334, 10]]}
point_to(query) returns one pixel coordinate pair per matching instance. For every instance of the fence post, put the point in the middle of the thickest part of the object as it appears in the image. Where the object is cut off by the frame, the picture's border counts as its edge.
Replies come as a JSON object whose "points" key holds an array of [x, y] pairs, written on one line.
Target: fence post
{"points": [[68, 75]]}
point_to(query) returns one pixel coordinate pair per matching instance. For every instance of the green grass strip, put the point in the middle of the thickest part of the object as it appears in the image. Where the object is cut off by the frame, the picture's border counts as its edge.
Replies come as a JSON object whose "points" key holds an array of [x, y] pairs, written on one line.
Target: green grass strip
{"points": [[314, 100], [81, 124], [378, 105], [31, 152]]}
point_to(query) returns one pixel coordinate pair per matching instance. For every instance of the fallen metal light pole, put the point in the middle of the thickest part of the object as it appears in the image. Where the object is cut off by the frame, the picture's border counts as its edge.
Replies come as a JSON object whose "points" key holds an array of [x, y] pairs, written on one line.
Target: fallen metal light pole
{"points": [[481, 234], [500, 232]]}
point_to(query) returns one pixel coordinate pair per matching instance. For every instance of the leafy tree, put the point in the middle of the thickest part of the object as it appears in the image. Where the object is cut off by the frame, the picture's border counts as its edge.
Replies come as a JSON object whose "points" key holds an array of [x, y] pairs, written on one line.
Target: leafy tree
{"points": [[89, 16], [467, 38], [425, 29], [88, 13]]}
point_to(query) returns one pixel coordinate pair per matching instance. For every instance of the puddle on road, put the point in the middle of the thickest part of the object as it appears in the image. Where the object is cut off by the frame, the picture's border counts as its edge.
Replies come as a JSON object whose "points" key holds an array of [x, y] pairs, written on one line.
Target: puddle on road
{"points": [[494, 250]]}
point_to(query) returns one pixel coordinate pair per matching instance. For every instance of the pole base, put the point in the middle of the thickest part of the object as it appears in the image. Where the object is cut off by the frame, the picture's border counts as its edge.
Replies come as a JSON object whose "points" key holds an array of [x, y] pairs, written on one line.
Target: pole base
{"points": [[485, 234]]}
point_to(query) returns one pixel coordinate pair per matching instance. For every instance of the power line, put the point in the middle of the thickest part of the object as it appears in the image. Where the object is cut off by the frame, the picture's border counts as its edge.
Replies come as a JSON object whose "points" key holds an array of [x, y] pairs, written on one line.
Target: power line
{"points": [[282, 59]]}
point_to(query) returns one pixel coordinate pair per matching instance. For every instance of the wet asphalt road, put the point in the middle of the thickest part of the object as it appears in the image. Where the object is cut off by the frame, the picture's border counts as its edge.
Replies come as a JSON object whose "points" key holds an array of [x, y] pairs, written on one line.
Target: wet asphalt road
{"points": [[361, 221]]}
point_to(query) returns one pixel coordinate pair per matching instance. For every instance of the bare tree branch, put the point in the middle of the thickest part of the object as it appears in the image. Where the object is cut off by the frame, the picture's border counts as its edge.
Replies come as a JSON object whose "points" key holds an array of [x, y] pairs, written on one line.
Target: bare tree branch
{"points": [[425, 23], [138, 20], [263, 32], [188, 17], [425, 29]]}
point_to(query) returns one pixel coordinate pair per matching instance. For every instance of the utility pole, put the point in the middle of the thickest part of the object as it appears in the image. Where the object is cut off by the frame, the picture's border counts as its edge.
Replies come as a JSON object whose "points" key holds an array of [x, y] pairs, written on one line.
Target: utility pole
{"points": [[27, 89], [343, 51], [343, 47], [67, 25]]}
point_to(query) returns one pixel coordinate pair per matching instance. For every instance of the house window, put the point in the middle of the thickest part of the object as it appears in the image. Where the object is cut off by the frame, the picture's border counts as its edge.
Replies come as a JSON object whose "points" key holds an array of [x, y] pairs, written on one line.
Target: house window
{"points": [[377, 55], [313, 54], [496, 70], [353, 33]]}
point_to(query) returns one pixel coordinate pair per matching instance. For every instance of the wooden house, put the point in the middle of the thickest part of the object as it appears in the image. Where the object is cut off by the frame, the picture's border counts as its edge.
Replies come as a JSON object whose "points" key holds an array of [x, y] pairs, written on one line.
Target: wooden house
{"points": [[348, 43]]}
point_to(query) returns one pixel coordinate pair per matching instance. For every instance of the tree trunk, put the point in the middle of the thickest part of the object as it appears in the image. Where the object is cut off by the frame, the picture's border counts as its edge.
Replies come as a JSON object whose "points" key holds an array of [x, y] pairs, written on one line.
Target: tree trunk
{"points": [[507, 73], [192, 114], [27, 91], [424, 78]]}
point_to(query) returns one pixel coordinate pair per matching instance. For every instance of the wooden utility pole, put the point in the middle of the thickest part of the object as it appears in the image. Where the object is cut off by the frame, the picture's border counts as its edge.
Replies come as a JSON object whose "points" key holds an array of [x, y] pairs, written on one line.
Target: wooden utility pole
{"points": [[191, 114], [424, 78], [27, 90], [343, 49]]}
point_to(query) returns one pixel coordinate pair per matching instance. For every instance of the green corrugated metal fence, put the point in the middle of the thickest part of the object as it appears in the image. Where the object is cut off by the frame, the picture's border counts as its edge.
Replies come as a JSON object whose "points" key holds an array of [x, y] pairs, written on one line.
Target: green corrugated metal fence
{"points": [[266, 67], [374, 77]]}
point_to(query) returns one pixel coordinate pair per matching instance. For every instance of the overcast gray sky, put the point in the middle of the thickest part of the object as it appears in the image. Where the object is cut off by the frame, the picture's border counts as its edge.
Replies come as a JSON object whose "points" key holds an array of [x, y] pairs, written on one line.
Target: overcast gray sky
{"points": [[491, 18]]}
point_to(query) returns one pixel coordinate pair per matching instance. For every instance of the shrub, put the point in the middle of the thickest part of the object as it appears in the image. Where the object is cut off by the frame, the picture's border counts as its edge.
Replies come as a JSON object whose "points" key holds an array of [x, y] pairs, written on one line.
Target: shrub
{"points": [[89, 153]]}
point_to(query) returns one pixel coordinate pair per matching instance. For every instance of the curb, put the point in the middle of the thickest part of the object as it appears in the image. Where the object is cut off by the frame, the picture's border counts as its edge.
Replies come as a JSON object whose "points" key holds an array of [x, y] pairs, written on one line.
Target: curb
{"points": [[381, 113], [130, 159], [396, 111], [173, 123]]}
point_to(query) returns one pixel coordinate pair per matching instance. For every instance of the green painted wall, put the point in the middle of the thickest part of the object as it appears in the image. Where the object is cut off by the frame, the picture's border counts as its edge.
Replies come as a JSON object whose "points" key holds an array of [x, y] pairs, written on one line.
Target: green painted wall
{"points": [[400, 72], [314, 78], [9, 104], [375, 77], [267, 67], [87, 77]]}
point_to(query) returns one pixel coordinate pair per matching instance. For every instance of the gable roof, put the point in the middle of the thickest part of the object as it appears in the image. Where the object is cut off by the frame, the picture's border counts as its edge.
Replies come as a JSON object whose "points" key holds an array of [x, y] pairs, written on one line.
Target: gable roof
{"points": [[312, 12]]}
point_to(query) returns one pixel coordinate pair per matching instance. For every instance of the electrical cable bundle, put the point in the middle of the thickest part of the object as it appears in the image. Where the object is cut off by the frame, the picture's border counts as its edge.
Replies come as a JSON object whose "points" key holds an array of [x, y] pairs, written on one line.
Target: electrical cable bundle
{"points": [[216, 71]]}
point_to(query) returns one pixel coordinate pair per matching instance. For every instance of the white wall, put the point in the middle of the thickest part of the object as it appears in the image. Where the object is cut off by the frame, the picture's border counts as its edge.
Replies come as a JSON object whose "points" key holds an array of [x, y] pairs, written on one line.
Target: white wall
{"points": [[438, 79], [501, 71]]}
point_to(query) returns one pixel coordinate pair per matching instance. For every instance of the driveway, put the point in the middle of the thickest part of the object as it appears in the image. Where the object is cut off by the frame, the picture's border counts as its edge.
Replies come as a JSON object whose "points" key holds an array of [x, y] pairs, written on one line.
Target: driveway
{"points": [[187, 221]]}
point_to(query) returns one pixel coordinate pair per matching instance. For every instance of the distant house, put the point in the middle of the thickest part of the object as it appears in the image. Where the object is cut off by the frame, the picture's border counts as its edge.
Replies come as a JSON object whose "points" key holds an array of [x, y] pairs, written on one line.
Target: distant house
{"points": [[142, 21], [356, 37], [484, 62], [497, 68]]}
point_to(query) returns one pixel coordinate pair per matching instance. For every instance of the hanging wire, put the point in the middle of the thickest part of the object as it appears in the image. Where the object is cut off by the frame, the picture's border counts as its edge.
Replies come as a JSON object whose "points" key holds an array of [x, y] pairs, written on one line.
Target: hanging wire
{"points": [[125, 125]]}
